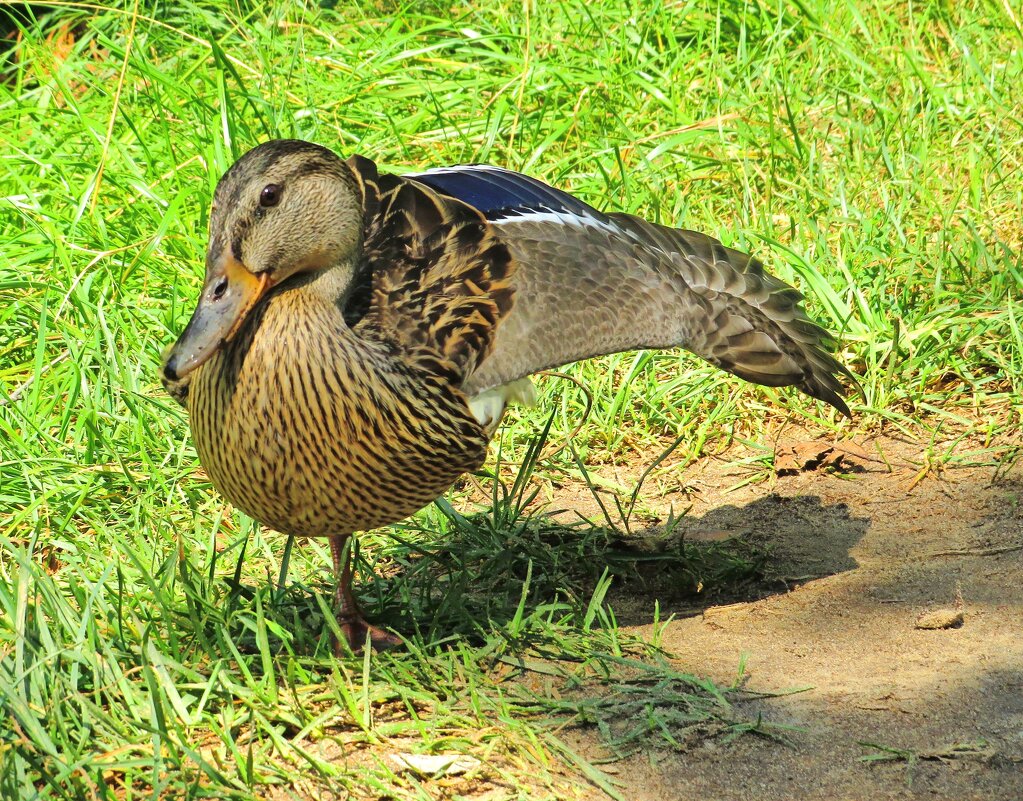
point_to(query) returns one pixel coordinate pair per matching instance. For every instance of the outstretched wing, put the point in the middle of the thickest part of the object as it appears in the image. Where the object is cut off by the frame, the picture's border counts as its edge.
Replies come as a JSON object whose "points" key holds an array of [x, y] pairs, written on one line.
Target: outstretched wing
{"points": [[589, 283], [435, 280]]}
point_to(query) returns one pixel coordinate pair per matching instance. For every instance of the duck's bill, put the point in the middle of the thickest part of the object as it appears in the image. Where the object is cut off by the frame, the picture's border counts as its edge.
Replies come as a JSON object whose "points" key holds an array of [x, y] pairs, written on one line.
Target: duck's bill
{"points": [[229, 294]]}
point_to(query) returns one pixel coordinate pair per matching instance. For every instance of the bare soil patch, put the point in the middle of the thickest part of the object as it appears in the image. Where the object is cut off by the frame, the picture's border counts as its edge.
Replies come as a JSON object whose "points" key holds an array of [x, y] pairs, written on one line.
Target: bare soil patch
{"points": [[893, 594]]}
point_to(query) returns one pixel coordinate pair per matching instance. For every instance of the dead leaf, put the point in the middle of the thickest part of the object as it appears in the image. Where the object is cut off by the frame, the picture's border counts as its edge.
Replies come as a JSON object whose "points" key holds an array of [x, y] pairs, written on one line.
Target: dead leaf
{"points": [[436, 764], [710, 535], [940, 619]]}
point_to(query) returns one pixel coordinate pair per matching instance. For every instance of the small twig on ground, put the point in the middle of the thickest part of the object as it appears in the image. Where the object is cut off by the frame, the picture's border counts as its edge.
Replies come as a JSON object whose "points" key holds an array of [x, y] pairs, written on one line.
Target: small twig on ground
{"points": [[975, 551]]}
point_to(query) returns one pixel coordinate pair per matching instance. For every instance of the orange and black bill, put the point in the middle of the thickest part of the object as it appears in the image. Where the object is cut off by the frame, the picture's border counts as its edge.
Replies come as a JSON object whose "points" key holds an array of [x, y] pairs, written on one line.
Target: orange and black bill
{"points": [[230, 292]]}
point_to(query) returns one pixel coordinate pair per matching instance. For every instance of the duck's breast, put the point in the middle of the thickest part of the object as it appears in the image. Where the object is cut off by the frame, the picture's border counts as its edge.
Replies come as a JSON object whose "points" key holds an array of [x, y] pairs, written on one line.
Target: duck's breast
{"points": [[314, 431]]}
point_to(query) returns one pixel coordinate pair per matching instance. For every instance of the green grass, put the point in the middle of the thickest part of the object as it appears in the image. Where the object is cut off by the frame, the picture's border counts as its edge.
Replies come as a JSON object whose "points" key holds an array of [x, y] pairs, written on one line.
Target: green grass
{"points": [[870, 154]]}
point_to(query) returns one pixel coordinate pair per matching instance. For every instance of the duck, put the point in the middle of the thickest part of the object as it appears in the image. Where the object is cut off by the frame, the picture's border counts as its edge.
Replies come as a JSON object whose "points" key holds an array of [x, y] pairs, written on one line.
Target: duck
{"points": [[359, 334]]}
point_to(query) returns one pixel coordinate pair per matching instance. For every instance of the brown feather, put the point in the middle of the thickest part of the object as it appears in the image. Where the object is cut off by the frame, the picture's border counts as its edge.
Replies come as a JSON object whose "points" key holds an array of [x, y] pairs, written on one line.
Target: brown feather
{"points": [[588, 289], [440, 280]]}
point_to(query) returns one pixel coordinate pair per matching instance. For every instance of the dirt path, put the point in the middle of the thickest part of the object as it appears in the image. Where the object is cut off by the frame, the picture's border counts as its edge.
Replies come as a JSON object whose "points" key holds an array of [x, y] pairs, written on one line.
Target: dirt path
{"points": [[865, 556]]}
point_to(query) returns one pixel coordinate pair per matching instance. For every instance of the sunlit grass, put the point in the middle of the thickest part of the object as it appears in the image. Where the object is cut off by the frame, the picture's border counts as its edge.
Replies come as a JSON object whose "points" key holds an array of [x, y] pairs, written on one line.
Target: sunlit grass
{"points": [[871, 155]]}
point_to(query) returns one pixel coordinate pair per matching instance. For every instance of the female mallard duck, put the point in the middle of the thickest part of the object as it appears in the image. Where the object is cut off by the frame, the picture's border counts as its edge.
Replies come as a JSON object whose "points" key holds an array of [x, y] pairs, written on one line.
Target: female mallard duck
{"points": [[359, 334]]}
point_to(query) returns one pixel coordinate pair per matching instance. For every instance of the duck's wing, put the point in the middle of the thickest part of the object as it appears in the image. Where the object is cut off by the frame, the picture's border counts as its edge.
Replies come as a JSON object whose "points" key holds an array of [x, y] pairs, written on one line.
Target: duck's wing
{"points": [[589, 283], [435, 279]]}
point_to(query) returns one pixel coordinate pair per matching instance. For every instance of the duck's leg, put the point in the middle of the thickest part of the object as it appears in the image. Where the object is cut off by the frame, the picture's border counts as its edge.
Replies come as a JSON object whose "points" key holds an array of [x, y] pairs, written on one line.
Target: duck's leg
{"points": [[354, 627]]}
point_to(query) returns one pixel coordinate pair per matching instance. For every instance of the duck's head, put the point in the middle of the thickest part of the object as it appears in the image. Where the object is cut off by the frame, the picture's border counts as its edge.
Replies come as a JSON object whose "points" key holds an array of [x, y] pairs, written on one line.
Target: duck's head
{"points": [[286, 208]]}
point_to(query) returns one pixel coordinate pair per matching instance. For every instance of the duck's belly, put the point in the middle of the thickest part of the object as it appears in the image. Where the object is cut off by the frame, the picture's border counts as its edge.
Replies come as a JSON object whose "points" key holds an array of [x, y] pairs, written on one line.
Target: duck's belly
{"points": [[314, 451]]}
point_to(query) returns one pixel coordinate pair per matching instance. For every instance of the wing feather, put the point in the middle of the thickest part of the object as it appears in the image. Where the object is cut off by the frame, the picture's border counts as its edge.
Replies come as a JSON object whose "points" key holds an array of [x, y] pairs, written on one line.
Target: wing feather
{"points": [[590, 283], [435, 280], [499, 193]]}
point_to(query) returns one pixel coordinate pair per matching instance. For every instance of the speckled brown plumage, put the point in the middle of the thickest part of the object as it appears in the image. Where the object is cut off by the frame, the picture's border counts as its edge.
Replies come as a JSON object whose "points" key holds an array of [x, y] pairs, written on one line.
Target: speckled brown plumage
{"points": [[395, 436], [358, 333], [317, 426]]}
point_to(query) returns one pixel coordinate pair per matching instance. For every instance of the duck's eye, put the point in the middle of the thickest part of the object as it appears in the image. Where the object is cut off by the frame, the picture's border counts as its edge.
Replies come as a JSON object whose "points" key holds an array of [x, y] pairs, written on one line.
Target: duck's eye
{"points": [[271, 195]]}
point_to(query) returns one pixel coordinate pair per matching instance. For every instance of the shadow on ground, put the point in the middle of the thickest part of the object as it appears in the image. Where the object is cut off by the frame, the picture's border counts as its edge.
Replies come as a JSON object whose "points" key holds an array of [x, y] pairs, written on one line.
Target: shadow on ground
{"points": [[890, 710], [791, 540]]}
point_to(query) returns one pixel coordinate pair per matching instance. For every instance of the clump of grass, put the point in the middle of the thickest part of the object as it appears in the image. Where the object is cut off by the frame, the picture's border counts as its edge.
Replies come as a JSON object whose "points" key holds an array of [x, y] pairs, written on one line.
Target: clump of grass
{"points": [[461, 574], [149, 676]]}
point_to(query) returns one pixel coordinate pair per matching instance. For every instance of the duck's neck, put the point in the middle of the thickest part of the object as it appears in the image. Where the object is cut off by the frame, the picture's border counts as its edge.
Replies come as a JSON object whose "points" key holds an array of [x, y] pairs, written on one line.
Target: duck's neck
{"points": [[330, 286]]}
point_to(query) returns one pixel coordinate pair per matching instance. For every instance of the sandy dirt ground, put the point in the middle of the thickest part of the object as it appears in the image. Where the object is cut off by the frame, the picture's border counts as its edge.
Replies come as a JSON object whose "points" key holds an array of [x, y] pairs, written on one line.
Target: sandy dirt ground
{"points": [[894, 594]]}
